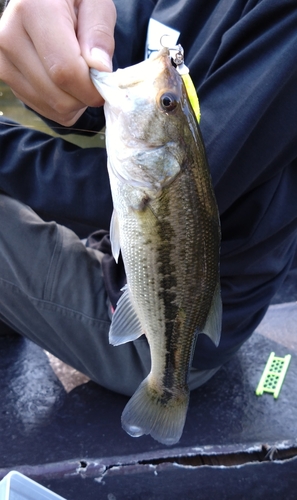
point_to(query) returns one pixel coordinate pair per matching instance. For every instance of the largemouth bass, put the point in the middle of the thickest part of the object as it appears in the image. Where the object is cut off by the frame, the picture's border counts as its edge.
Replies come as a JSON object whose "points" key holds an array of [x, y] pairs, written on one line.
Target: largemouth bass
{"points": [[166, 225]]}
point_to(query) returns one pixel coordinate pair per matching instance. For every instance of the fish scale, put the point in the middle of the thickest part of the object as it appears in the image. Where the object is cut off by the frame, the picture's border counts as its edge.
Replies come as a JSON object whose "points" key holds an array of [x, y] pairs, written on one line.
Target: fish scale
{"points": [[166, 225]]}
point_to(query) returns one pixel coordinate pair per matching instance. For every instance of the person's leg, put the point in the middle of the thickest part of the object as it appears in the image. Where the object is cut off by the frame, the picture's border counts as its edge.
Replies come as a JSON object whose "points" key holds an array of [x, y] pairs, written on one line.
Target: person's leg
{"points": [[52, 291]]}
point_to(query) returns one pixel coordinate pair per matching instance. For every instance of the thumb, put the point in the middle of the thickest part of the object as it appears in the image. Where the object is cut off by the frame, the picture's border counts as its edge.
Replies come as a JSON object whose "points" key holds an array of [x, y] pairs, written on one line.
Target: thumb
{"points": [[95, 32]]}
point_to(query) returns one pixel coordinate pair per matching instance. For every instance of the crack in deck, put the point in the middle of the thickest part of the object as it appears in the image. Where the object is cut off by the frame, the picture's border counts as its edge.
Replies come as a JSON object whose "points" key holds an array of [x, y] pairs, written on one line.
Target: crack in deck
{"points": [[212, 456]]}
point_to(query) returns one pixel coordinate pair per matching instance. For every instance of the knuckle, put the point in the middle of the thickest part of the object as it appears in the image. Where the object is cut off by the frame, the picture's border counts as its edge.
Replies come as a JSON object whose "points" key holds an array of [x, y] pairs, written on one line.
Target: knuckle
{"points": [[60, 108], [20, 8], [63, 112], [60, 74]]}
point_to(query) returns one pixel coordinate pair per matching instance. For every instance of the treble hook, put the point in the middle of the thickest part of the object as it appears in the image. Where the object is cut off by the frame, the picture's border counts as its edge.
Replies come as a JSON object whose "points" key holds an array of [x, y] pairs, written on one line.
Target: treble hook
{"points": [[179, 56], [179, 51]]}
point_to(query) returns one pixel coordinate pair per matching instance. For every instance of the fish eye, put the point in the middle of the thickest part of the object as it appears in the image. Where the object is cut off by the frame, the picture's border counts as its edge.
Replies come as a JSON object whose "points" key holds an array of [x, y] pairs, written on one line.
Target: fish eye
{"points": [[168, 101]]}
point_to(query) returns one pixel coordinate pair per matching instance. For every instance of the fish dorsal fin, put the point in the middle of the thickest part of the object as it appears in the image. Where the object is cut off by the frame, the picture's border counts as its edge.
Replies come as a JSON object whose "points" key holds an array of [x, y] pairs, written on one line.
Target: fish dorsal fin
{"points": [[213, 323], [125, 325], [115, 236]]}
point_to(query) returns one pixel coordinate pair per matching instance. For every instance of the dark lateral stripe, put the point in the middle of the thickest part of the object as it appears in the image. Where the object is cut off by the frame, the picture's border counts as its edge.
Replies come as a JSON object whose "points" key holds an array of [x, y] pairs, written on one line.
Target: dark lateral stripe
{"points": [[167, 293]]}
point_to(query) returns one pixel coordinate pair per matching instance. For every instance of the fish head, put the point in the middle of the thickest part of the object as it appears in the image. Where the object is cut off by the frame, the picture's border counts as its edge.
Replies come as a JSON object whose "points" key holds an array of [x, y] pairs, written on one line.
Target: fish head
{"points": [[145, 109], [148, 91]]}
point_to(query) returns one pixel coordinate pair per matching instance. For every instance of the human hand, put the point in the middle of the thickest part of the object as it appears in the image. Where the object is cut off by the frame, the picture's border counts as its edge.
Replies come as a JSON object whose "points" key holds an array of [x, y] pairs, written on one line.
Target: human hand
{"points": [[47, 48]]}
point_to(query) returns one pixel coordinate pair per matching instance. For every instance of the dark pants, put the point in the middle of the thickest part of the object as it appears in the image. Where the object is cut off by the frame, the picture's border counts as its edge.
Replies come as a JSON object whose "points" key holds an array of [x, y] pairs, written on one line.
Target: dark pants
{"points": [[52, 291]]}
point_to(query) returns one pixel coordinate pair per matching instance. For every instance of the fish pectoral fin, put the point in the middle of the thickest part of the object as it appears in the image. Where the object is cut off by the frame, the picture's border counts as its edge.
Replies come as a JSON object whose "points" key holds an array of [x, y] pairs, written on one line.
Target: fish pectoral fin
{"points": [[115, 236], [125, 325], [213, 323], [161, 417]]}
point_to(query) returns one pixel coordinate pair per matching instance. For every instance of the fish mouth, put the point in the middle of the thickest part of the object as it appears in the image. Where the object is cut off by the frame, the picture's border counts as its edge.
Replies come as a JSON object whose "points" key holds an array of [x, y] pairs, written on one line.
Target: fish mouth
{"points": [[109, 85], [103, 83]]}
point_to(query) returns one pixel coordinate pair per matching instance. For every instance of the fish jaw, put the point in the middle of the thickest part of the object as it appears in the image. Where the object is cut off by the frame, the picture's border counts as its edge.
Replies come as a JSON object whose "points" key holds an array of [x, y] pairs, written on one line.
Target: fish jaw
{"points": [[117, 87], [120, 88], [141, 155]]}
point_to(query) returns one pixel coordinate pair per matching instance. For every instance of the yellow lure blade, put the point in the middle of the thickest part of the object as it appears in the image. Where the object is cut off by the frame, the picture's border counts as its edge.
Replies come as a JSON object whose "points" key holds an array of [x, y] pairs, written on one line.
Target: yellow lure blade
{"points": [[192, 95], [184, 72]]}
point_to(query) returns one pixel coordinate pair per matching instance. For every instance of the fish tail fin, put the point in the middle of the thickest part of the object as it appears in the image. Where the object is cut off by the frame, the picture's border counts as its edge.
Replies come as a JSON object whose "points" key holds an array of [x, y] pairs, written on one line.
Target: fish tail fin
{"points": [[162, 415]]}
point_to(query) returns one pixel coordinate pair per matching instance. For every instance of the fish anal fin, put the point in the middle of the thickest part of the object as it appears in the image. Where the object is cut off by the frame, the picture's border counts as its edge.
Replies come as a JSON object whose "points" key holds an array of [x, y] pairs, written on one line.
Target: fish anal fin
{"points": [[125, 325], [213, 323], [162, 418]]}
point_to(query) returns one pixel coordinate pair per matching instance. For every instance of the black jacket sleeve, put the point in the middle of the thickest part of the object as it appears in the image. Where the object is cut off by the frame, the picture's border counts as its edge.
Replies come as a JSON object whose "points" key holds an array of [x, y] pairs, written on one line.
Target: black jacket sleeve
{"points": [[3, 4], [58, 180]]}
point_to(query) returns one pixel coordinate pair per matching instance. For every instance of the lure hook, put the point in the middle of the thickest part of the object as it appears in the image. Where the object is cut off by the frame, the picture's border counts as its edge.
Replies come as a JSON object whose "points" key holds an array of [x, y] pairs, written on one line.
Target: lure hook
{"points": [[178, 58]]}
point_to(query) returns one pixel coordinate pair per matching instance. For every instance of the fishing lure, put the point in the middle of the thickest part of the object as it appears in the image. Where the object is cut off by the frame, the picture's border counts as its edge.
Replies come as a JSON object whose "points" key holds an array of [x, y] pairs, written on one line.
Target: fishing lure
{"points": [[184, 72]]}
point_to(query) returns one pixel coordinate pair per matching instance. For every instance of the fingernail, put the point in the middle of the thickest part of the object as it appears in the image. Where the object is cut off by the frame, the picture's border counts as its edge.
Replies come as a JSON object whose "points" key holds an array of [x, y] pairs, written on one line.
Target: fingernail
{"points": [[102, 57]]}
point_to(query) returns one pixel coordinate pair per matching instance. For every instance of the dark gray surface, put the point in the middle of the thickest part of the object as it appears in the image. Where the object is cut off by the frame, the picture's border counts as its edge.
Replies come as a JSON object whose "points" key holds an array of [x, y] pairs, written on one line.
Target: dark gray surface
{"points": [[41, 423], [74, 443]]}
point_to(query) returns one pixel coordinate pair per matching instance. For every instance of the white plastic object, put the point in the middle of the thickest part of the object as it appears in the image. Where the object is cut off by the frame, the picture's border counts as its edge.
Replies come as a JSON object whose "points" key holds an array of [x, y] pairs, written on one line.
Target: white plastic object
{"points": [[16, 486]]}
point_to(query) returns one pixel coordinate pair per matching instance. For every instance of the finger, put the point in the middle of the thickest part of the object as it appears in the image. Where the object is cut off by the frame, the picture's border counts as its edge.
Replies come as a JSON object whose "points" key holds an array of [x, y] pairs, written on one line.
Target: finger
{"points": [[37, 90], [55, 42], [96, 22], [67, 119]]}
